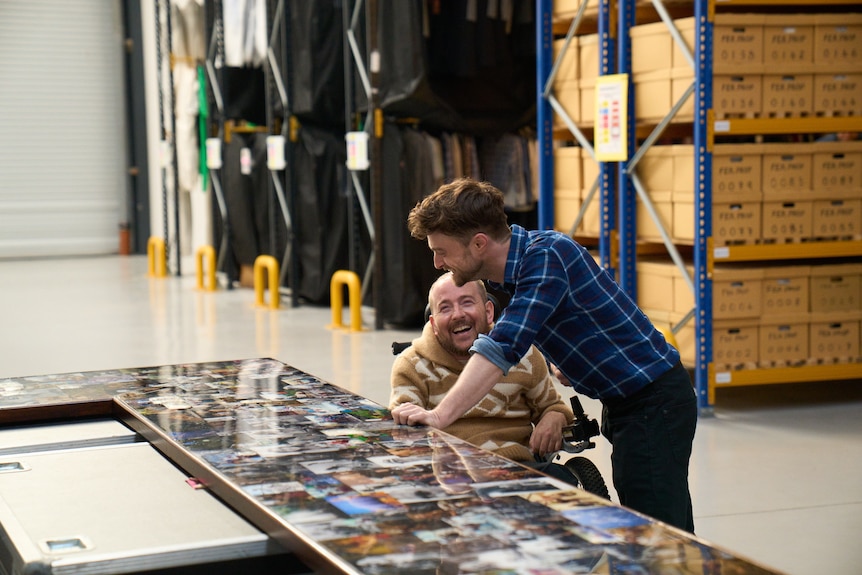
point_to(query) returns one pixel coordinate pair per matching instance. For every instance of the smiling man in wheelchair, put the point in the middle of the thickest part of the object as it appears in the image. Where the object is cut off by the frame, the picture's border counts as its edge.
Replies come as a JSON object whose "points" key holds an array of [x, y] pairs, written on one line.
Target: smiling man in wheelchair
{"points": [[523, 417]]}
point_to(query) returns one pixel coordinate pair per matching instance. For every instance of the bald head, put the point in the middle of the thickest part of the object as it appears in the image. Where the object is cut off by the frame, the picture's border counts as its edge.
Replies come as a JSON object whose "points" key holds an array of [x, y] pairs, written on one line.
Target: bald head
{"points": [[459, 314]]}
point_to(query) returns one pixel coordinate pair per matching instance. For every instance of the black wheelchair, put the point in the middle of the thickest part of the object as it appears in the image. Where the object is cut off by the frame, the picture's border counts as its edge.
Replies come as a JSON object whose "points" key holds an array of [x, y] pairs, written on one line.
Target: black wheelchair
{"points": [[577, 438]]}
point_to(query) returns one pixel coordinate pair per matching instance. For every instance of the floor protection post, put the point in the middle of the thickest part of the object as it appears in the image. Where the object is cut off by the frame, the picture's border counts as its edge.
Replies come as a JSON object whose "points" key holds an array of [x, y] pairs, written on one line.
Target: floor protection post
{"points": [[157, 264], [270, 265], [668, 335], [354, 290], [205, 259]]}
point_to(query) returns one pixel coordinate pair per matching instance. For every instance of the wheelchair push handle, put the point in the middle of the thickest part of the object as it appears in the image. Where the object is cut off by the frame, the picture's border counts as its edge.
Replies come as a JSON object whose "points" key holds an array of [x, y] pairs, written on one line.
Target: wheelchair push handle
{"points": [[576, 437]]}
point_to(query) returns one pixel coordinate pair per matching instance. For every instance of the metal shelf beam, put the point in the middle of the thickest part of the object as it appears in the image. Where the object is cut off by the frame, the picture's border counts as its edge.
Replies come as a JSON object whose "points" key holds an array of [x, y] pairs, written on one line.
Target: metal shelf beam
{"points": [[772, 375], [813, 125], [834, 249]]}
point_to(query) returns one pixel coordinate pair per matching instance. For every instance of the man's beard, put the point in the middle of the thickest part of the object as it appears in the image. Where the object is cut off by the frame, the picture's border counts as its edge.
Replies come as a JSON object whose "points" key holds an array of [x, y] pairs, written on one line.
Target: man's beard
{"points": [[460, 277], [448, 343], [455, 350]]}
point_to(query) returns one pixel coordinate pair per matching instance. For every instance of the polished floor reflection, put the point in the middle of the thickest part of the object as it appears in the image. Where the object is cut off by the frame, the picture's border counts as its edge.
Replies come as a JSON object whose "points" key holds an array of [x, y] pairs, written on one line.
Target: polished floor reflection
{"points": [[775, 472]]}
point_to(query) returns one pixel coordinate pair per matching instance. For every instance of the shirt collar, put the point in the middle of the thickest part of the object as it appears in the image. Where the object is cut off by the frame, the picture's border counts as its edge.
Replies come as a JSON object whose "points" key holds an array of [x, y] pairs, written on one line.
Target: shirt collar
{"points": [[517, 244]]}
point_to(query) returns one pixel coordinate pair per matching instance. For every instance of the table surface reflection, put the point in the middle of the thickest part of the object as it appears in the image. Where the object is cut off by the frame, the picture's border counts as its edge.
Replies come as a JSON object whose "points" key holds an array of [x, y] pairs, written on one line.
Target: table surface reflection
{"points": [[328, 474]]}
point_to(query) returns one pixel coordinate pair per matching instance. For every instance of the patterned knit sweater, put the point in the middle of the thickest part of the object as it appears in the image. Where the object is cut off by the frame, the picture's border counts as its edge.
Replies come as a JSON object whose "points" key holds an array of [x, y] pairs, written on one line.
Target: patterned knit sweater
{"points": [[503, 421]]}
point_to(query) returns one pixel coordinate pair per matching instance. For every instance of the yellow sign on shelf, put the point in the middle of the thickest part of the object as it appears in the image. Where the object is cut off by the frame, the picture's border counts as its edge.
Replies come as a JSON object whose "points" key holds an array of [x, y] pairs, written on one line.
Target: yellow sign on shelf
{"points": [[611, 122]]}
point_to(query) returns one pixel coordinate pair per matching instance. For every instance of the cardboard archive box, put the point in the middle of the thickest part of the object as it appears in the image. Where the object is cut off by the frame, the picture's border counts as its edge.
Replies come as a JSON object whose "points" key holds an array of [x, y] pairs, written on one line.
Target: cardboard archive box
{"points": [[836, 288], [567, 167], [589, 53], [570, 64], [652, 95], [656, 173], [788, 95], [660, 70], [838, 41], [567, 206], [736, 193], [788, 41], [666, 298], [656, 283], [836, 170], [837, 219], [565, 9], [592, 212], [737, 95], [566, 88], [787, 221], [786, 290], [651, 47], [737, 49], [736, 172], [838, 94], [738, 43], [834, 337], [733, 222], [737, 290], [783, 340], [734, 342], [786, 170], [568, 182], [568, 94]]}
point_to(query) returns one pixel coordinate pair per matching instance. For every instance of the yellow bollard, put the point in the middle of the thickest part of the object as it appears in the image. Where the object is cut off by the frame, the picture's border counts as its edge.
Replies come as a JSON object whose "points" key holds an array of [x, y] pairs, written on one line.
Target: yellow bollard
{"points": [[157, 264], [206, 255], [668, 335], [354, 291], [269, 264]]}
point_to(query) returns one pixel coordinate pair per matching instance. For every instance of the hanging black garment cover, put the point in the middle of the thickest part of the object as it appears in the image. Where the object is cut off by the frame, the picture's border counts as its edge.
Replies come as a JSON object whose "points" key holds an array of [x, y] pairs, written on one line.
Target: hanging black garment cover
{"points": [[317, 61], [321, 211], [408, 265]]}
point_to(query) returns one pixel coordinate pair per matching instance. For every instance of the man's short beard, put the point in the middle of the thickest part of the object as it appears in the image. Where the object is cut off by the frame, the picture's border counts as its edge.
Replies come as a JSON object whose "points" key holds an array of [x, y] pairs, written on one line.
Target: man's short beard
{"points": [[454, 350]]}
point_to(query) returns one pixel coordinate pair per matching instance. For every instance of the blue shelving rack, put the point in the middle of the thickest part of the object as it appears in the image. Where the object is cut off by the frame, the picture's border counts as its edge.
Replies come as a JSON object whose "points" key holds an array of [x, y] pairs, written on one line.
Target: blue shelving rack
{"points": [[619, 187], [546, 70]]}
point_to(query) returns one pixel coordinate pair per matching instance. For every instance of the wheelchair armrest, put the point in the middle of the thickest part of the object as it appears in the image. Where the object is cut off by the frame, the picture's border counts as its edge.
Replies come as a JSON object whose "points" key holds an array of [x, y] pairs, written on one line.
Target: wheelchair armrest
{"points": [[398, 347]]}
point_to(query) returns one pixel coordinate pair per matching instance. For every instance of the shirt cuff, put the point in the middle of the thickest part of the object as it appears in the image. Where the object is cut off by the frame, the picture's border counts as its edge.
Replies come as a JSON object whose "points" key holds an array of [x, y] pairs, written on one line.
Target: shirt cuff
{"points": [[492, 351]]}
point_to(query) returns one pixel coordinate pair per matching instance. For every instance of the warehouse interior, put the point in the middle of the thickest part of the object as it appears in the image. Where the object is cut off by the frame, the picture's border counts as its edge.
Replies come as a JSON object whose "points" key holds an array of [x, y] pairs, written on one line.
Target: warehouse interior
{"points": [[204, 196]]}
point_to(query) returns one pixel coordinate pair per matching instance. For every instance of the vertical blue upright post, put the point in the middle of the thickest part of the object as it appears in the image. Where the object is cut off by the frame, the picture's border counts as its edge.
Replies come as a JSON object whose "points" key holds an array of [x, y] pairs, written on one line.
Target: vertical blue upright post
{"points": [[544, 119], [626, 223], [607, 176], [703, 201]]}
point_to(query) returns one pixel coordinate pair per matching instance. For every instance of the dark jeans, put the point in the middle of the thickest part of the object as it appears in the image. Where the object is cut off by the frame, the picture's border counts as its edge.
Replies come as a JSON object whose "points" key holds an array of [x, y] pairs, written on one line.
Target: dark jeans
{"points": [[652, 433]]}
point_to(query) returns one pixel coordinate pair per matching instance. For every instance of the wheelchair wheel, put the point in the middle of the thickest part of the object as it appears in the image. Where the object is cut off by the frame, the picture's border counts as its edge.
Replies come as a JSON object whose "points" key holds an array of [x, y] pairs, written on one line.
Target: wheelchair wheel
{"points": [[588, 475]]}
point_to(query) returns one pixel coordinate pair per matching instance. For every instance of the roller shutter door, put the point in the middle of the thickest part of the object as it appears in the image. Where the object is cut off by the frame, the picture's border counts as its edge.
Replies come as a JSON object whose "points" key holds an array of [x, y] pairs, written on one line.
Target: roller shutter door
{"points": [[63, 135]]}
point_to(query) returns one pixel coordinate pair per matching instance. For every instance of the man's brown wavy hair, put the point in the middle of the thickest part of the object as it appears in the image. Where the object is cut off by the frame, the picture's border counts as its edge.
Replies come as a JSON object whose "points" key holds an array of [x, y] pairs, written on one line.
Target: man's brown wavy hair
{"points": [[461, 209]]}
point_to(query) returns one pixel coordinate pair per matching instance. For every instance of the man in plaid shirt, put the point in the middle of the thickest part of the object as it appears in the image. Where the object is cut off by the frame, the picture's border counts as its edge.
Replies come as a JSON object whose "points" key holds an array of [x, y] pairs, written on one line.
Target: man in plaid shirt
{"points": [[574, 312]]}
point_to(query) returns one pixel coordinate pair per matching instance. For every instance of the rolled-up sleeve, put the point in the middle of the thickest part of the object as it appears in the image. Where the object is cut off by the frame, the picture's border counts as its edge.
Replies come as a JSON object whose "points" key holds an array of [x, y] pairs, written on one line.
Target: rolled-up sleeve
{"points": [[492, 351]]}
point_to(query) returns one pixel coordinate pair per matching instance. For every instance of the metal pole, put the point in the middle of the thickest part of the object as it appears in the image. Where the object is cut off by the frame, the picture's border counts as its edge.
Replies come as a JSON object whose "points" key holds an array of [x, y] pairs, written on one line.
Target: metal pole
{"points": [[162, 135], [376, 159], [176, 176]]}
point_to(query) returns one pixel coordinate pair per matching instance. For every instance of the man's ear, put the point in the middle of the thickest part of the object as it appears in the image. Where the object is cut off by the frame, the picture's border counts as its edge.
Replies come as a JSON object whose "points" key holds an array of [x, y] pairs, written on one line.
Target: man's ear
{"points": [[479, 241], [489, 312]]}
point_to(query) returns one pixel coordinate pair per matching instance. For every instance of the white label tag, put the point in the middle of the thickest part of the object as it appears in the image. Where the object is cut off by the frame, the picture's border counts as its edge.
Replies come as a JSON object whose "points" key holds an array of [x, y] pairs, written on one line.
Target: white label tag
{"points": [[245, 161]]}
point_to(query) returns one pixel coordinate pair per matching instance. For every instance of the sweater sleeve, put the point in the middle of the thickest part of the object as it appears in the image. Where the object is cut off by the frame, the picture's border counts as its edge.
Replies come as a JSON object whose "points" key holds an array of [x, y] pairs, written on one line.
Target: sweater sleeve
{"points": [[407, 386], [542, 396]]}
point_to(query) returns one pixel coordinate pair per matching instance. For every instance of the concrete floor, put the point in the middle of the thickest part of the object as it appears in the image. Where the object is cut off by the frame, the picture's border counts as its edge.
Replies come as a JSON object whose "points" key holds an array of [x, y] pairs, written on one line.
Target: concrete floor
{"points": [[776, 473]]}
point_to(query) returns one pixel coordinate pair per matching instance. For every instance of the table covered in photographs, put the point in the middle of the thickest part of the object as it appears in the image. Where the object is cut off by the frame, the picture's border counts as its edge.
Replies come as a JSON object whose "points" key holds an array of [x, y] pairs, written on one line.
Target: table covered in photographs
{"points": [[329, 475]]}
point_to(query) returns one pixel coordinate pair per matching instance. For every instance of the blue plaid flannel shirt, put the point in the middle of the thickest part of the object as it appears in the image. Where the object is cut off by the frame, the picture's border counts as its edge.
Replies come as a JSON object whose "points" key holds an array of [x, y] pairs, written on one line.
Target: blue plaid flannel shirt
{"points": [[577, 315]]}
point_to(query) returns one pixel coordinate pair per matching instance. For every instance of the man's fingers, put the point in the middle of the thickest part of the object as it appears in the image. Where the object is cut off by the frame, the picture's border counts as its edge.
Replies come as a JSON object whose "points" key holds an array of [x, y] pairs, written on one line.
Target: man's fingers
{"points": [[401, 413], [408, 414]]}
